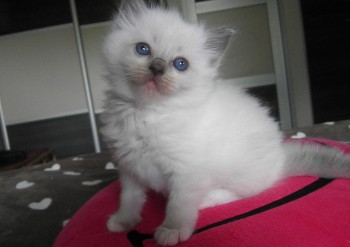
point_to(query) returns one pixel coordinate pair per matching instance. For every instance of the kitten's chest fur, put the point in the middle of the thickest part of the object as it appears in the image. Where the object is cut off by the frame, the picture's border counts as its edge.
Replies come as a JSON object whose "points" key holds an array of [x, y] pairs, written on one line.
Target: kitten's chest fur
{"points": [[139, 140]]}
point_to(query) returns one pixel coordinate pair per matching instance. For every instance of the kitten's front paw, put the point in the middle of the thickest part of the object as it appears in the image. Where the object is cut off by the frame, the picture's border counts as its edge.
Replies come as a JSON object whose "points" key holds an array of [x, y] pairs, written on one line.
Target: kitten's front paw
{"points": [[117, 223], [167, 236]]}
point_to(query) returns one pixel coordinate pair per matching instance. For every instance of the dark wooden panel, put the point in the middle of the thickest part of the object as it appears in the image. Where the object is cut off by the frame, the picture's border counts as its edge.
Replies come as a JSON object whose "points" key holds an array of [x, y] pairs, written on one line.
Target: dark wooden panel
{"points": [[327, 33], [93, 11], [22, 15], [66, 136], [268, 98], [2, 145]]}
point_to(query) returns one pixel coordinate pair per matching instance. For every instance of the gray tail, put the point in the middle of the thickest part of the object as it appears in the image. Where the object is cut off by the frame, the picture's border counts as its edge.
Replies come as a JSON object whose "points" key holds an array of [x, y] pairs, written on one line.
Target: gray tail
{"points": [[316, 160]]}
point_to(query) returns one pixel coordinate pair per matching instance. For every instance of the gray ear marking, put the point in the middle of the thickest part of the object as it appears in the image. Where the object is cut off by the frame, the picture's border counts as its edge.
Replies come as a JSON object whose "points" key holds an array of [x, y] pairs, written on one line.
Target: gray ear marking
{"points": [[218, 40]]}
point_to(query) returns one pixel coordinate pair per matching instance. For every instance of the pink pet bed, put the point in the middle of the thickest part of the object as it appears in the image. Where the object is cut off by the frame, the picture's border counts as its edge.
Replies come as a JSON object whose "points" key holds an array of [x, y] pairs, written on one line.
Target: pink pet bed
{"points": [[298, 211]]}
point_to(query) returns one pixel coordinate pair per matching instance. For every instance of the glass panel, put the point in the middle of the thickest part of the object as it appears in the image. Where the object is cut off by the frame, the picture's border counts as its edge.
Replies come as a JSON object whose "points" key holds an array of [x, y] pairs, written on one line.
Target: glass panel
{"points": [[250, 52]]}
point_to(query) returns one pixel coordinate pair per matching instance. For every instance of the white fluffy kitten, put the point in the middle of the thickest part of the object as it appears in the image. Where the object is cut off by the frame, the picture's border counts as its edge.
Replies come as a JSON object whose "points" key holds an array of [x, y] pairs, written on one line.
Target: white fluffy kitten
{"points": [[173, 128]]}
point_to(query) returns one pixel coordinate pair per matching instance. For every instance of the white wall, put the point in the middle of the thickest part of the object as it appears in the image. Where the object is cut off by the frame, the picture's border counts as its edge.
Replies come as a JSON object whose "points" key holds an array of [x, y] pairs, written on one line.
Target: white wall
{"points": [[40, 73]]}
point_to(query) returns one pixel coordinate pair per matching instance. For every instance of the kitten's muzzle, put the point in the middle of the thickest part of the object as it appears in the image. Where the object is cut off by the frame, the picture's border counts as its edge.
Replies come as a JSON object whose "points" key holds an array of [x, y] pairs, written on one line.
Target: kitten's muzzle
{"points": [[157, 67]]}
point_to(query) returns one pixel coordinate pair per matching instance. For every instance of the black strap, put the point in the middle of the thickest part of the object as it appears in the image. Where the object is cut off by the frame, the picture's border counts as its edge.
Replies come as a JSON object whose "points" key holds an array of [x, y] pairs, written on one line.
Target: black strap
{"points": [[136, 239], [289, 198]]}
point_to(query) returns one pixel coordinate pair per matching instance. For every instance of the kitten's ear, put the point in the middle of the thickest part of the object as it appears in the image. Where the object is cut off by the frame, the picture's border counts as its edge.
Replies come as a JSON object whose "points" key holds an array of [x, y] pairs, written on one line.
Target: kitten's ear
{"points": [[217, 42]]}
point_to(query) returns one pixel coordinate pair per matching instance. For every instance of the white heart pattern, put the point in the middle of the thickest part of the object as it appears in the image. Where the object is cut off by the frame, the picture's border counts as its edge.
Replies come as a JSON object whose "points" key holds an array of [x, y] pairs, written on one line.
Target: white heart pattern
{"points": [[110, 166], [299, 135], [65, 222], [72, 173], [24, 185], [42, 205], [77, 159], [55, 167], [91, 183]]}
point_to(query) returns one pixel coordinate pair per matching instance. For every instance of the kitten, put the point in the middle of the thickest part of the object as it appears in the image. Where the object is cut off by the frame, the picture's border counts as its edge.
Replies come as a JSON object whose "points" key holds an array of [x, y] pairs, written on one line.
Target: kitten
{"points": [[174, 128]]}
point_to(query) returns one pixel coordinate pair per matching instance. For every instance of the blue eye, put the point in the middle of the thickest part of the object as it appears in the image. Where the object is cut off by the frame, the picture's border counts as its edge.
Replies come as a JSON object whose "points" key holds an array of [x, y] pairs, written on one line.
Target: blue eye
{"points": [[143, 49], [180, 64]]}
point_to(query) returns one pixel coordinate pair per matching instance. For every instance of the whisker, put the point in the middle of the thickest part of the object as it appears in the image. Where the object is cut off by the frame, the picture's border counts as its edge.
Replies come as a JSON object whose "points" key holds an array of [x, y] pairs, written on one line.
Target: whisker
{"points": [[168, 85]]}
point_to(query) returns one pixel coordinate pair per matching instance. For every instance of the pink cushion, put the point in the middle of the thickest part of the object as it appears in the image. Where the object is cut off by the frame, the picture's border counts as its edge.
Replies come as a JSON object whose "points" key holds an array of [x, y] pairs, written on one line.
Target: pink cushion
{"points": [[298, 211]]}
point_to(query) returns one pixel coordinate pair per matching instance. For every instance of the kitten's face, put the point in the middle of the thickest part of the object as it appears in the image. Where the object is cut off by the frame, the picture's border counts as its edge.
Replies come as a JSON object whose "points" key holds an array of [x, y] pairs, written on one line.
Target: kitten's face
{"points": [[156, 53]]}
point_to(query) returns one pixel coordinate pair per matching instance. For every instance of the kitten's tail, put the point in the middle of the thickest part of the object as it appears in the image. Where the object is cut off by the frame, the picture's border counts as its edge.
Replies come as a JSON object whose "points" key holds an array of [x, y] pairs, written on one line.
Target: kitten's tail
{"points": [[316, 160]]}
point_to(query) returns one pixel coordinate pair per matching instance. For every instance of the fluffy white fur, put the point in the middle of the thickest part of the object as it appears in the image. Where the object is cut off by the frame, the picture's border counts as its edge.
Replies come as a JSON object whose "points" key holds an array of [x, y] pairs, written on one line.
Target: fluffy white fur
{"points": [[183, 133]]}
